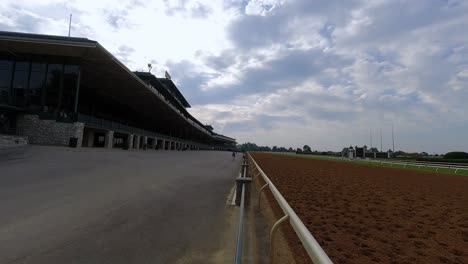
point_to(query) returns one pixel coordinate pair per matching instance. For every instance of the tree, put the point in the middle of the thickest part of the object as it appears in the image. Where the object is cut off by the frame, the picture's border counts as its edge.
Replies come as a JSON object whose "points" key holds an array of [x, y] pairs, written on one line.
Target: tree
{"points": [[252, 147], [456, 155], [299, 150], [275, 148], [306, 148], [290, 149], [372, 150]]}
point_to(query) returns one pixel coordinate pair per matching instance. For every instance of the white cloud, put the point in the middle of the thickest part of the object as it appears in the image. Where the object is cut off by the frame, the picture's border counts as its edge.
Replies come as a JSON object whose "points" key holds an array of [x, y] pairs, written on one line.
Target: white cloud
{"points": [[290, 72], [261, 7]]}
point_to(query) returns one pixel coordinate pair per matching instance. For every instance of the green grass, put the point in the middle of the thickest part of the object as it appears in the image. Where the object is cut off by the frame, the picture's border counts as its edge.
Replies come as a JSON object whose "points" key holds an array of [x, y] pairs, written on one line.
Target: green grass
{"points": [[388, 165]]}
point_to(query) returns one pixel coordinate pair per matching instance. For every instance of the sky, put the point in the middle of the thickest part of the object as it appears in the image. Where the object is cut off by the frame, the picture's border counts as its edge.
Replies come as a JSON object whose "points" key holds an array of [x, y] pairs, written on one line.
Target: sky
{"points": [[324, 73]]}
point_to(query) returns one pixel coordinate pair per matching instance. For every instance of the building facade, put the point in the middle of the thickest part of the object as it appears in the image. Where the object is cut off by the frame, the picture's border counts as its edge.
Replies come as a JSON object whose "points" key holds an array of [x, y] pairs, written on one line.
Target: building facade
{"points": [[71, 91]]}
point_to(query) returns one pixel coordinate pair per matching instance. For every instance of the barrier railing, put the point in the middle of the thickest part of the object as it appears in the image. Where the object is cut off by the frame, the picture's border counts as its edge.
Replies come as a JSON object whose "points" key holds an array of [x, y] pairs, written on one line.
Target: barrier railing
{"points": [[240, 229], [437, 165], [314, 250]]}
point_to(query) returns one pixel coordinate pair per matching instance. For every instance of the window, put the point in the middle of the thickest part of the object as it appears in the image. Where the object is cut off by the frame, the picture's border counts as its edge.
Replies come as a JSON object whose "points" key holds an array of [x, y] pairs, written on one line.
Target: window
{"points": [[5, 80], [70, 81], [54, 75], [36, 83], [20, 83]]}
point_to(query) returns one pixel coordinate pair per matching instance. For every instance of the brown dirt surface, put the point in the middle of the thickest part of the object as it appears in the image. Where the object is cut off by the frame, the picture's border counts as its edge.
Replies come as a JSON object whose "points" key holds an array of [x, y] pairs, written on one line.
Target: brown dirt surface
{"points": [[366, 214]]}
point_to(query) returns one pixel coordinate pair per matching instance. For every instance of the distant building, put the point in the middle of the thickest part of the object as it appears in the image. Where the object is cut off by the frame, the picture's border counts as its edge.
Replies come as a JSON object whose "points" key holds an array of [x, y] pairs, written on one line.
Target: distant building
{"points": [[348, 153], [361, 152]]}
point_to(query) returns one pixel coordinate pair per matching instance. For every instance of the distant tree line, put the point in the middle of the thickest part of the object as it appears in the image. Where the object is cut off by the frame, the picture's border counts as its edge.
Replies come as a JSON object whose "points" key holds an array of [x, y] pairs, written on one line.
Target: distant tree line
{"points": [[253, 147], [455, 156]]}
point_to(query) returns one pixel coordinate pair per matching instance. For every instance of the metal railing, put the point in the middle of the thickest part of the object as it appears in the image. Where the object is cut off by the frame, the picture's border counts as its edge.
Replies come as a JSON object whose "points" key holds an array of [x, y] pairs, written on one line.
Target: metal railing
{"points": [[419, 164], [314, 250], [240, 228], [437, 165]]}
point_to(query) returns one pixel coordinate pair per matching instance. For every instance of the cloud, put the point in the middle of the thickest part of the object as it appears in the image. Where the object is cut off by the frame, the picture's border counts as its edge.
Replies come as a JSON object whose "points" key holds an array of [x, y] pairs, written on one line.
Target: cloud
{"points": [[117, 19], [124, 54], [376, 64], [277, 72], [193, 9]]}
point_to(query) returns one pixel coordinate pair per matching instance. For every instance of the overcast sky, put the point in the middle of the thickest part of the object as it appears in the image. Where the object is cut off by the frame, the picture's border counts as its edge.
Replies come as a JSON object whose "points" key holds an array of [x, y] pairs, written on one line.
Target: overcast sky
{"points": [[288, 73]]}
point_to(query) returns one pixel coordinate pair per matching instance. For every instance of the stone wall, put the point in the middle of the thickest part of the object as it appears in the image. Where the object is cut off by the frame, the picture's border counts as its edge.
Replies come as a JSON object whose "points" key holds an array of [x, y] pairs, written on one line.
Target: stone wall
{"points": [[48, 132], [12, 141]]}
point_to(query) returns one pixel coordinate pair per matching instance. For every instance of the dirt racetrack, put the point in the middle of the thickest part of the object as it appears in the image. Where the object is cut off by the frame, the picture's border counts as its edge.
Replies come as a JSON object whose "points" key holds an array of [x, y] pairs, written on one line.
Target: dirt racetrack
{"points": [[366, 214]]}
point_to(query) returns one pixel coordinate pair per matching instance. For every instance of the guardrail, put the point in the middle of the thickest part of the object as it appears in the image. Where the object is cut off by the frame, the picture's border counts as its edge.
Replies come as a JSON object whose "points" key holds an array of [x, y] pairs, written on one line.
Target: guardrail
{"points": [[440, 164], [420, 164], [238, 256], [314, 250], [437, 165]]}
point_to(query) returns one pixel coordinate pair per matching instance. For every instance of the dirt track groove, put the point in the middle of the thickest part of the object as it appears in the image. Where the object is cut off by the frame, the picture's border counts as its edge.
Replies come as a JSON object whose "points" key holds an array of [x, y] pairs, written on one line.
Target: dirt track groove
{"points": [[365, 214]]}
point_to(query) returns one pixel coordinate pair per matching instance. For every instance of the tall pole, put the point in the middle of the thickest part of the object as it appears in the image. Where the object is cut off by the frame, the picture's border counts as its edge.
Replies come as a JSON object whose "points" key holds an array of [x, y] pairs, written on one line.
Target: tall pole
{"points": [[393, 140], [381, 149], [371, 138], [69, 25]]}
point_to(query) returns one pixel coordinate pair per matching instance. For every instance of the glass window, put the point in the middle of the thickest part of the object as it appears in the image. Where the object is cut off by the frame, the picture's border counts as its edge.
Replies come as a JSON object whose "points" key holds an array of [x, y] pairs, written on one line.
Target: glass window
{"points": [[20, 83], [5, 65], [54, 75], [70, 81], [36, 83], [22, 66], [5, 80]]}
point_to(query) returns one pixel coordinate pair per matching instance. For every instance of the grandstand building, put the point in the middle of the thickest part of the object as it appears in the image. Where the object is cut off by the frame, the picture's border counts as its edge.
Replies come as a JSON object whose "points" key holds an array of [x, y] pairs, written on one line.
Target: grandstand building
{"points": [[70, 91]]}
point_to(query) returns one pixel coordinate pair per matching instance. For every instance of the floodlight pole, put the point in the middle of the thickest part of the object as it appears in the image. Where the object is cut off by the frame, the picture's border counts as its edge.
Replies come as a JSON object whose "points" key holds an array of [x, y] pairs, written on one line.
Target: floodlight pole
{"points": [[381, 148], [69, 25]]}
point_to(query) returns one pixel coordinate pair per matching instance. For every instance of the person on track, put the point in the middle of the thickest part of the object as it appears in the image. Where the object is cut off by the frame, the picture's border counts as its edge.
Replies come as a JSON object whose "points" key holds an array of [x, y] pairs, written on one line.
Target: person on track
{"points": [[233, 155]]}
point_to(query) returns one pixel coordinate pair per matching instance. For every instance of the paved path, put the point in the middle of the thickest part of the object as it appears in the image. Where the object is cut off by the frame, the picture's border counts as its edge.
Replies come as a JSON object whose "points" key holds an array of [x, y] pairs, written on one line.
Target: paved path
{"points": [[66, 206]]}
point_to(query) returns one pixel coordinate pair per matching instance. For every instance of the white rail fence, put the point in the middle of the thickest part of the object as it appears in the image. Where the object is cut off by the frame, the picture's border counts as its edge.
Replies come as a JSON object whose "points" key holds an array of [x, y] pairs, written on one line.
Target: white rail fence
{"points": [[437, 165]]}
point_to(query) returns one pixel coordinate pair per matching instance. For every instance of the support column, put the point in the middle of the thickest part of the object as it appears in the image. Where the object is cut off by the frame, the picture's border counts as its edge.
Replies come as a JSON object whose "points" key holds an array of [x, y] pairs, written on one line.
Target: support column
{"points": [[145, 142], [163, 144], [130, 141], [109, 140], [136, 145], [90, 139]]}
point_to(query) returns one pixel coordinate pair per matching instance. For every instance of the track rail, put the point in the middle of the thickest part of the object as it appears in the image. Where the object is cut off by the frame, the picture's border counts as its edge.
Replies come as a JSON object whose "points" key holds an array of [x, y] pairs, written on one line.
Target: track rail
{"points": [[426, 163], [240, 228], [437, 165], [314, 250]]}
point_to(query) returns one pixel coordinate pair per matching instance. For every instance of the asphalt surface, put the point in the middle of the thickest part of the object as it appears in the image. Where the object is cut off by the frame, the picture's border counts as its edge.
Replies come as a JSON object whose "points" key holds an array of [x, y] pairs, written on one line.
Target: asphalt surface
{"points": [[59, 205]]}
